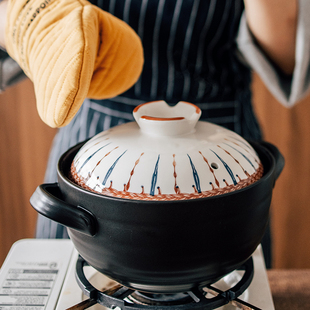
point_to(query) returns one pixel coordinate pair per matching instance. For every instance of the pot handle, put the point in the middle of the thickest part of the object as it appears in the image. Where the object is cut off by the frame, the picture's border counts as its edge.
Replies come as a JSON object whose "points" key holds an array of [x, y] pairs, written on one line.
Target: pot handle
{"points": [[279, 159], [47, 201]]}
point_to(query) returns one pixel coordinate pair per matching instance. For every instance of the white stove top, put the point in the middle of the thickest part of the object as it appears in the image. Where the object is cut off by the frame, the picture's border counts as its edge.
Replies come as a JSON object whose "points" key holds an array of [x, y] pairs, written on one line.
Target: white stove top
{"points": [[39, 274]]}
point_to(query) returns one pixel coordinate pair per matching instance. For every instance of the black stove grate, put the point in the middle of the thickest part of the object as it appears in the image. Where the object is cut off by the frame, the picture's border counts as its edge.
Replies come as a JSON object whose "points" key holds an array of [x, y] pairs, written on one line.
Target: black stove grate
{"points": [[198, 298]]}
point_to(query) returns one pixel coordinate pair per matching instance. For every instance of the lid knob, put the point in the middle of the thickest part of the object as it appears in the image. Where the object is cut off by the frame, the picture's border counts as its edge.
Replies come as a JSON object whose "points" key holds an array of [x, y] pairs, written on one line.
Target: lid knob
{"points": [[158, 118]]}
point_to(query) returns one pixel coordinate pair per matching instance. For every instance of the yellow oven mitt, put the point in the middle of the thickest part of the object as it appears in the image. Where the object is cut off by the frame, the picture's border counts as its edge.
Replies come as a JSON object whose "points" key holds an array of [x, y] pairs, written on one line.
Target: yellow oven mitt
{"points": [[71, 50]]}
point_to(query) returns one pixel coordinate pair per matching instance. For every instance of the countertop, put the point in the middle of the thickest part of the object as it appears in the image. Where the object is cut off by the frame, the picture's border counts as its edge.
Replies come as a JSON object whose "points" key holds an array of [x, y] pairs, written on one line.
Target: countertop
{"points": [[290, 288]]}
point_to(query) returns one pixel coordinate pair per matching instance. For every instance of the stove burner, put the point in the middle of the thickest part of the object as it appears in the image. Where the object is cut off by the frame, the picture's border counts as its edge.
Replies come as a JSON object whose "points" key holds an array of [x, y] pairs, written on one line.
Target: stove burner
{"points": [[206, 298], [142, 298]]}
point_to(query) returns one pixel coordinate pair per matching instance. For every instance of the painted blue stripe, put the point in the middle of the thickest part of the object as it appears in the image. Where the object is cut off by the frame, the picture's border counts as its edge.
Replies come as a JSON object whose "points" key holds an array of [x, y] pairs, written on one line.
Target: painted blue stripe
{"points": [[240, 141], [227, 168], [154, 177], [195, 175], [111, 169], [241, 154], [88, 158]]}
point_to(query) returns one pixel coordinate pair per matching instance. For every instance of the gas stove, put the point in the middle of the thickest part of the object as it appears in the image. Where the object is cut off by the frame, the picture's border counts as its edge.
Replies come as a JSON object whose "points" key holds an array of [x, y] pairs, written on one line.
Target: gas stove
{"points": [[40, 274]]}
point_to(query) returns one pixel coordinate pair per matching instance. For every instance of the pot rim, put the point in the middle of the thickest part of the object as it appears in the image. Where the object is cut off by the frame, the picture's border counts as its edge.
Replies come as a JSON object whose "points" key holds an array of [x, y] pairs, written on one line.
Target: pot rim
{"points": [[74, 149]]}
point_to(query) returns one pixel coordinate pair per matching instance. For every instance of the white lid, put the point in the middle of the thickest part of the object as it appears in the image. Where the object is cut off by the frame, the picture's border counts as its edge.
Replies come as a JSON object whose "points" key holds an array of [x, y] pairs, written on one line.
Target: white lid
{"points": [[167, 154]]}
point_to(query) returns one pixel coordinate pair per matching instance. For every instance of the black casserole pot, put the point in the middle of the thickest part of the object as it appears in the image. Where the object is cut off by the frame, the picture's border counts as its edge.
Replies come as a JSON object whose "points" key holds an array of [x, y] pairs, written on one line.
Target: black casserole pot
{"points": [[163, 246]]}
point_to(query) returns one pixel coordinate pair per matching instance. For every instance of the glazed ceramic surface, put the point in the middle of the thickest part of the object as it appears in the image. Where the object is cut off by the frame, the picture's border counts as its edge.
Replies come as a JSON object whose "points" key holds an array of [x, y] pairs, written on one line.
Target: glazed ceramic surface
{"points": [[167, 154]]}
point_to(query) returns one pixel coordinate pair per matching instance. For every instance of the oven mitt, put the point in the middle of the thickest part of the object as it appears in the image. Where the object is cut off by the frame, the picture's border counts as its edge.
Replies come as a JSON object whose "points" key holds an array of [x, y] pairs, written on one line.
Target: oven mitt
{"points": [[71, 50]]}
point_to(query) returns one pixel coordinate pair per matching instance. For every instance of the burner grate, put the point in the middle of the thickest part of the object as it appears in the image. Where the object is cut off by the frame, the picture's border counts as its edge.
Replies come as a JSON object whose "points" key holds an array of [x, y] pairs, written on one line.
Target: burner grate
{"points": [[206, 298]]}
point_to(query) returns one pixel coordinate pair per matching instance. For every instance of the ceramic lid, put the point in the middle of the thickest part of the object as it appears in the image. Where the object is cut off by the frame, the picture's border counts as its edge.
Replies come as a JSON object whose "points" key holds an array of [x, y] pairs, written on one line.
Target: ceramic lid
{"points": [[167, 154]]}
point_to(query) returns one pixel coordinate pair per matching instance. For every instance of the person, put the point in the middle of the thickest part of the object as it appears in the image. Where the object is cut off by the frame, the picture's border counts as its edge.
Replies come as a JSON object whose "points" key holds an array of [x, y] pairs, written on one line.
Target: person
{"points": [[200, 51]]}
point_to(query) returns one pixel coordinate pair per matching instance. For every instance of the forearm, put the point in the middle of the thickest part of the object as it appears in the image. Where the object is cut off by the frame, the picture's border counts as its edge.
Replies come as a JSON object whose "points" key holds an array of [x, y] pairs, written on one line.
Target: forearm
{"points": [[273, 23], [3, 5]]}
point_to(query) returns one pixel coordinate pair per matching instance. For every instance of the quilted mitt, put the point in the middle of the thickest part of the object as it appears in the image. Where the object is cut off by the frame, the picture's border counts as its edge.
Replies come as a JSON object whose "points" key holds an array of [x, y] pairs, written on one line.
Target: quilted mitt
{"points": [[71, 50]]}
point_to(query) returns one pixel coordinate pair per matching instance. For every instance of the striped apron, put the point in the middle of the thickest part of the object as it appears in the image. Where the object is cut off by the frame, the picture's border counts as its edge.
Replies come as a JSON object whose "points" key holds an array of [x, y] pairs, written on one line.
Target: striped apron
{"points": [[190, 54]]}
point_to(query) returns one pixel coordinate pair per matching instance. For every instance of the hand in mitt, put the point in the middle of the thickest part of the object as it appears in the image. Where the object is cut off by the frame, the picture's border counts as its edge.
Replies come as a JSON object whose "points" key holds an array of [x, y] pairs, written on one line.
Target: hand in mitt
{"points": [[71, 50]]}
